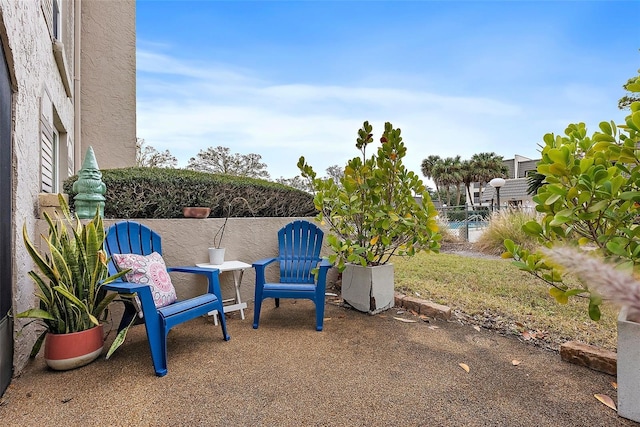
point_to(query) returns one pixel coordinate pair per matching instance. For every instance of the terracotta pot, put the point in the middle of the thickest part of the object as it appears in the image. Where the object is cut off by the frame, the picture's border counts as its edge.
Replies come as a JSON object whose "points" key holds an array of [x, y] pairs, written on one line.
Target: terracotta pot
{"points": [[196, 212], [69, 351]]}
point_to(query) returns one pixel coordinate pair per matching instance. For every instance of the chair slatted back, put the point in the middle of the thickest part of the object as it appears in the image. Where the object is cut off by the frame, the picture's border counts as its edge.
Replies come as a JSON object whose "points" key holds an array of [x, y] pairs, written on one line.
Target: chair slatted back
{"points": [[130, 237], [299, 244]]}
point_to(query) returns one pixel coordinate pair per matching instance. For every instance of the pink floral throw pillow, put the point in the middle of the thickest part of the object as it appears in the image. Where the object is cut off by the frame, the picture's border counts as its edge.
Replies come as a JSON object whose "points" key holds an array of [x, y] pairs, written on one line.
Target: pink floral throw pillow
{"points": [[150, 270]]}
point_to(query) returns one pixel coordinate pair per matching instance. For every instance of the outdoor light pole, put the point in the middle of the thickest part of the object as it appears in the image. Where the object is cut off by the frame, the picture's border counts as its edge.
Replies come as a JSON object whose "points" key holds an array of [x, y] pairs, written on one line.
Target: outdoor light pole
{"points": [[497, 183]]}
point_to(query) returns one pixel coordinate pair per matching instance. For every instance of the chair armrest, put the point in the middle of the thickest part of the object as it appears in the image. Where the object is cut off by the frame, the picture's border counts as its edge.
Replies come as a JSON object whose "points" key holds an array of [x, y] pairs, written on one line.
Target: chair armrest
{"points": [[123, 287], [191, 269], [144, 298], [212, 275], [321, 281], [261, 267], [263, 262], [324, 263]]}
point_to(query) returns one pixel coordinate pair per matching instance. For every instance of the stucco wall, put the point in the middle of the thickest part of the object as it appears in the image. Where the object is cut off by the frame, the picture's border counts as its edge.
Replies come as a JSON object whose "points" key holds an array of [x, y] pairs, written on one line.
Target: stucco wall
{"points": [[108, 85], [186, 242], [32, 65], [108, 91]]}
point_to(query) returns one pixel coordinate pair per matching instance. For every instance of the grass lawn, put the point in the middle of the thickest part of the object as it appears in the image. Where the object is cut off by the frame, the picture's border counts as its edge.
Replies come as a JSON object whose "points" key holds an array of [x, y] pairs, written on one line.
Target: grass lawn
{"points": [[495, 294]]}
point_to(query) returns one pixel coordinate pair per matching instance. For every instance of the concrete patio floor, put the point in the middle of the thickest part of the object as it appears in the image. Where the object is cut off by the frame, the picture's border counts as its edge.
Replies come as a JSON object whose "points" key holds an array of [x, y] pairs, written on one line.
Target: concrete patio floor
{"points": [[360, 371]]}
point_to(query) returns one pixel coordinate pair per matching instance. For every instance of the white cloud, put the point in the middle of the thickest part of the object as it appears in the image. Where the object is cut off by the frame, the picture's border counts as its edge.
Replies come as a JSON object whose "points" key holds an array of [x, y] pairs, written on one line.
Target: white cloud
{"points": [[186, 106]]}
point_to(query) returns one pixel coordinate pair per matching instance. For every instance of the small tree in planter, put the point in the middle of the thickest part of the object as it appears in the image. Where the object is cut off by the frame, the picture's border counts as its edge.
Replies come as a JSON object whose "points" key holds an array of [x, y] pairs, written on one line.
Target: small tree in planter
{"points": [[622, 288], [590, 198], [373, 214]]}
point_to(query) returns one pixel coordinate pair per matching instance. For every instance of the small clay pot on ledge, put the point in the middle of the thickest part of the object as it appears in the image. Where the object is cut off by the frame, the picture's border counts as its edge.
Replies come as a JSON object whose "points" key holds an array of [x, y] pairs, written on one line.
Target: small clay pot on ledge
{"points": [[196, 212]]}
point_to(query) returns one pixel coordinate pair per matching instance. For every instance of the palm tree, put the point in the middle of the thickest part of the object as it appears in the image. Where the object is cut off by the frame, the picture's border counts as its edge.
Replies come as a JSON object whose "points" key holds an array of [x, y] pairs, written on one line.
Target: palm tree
{"points": [[429, 167], [487, 166], [448, 173], [468, 176], [535, 180]]}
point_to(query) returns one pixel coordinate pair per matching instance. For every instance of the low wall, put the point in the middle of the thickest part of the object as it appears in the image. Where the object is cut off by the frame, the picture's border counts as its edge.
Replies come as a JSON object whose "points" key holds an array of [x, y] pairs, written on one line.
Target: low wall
{"points": [[185, 241]]}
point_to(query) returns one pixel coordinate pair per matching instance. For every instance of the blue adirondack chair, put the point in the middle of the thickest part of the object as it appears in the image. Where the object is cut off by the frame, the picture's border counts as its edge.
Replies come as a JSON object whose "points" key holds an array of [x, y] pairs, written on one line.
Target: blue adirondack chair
{"points": [[129, 237], [299, 245]]}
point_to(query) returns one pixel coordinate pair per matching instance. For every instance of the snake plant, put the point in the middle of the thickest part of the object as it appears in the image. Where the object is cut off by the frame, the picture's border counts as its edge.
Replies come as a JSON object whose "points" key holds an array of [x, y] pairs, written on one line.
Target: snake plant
{"points": [[70, 273]]}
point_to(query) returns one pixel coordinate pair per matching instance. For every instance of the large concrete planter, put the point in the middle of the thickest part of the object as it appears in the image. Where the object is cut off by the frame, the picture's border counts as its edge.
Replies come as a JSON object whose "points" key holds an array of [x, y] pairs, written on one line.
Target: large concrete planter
{"points": [[628, 367], [368, 289]]}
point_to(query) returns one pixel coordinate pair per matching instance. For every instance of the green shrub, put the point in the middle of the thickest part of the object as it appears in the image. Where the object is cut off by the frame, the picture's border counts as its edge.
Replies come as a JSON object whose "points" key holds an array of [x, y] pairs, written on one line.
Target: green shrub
{"points": [[457, 214], [590, 197], [163, 192], [460, 213], [506, 224], [372, 212]]}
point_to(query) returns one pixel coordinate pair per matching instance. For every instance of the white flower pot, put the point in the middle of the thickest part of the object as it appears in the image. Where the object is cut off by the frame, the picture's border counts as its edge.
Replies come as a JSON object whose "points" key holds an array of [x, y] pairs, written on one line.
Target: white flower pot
{"points": [[216, 256], [368, 289], [628, 367]]}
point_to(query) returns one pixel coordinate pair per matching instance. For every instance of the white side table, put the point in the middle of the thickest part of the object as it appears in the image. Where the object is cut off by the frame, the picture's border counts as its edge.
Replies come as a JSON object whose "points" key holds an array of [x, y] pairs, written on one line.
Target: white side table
{"points": [[232, 304]]}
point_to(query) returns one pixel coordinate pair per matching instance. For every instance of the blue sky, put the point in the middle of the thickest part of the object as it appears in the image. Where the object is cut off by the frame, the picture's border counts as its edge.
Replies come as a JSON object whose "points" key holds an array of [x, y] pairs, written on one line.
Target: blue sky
{"points": [[289, 78]]}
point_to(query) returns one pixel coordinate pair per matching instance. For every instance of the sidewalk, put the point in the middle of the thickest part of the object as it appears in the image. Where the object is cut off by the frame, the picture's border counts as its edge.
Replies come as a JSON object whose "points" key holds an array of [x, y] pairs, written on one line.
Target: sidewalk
{"points": [[360, 371]]}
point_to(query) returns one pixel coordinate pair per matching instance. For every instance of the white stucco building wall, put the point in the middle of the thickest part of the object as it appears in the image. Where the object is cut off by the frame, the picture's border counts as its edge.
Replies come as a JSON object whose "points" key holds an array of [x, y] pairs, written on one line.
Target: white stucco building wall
{"points": [[108, 101], [50, 91], [38, 87]]}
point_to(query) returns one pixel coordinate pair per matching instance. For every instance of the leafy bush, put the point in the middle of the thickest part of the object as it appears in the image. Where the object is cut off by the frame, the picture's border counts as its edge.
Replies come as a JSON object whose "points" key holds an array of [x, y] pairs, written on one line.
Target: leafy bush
{"points": [[372, 212], [163, 192], [506, 224], [457, 214], [590, 197]]}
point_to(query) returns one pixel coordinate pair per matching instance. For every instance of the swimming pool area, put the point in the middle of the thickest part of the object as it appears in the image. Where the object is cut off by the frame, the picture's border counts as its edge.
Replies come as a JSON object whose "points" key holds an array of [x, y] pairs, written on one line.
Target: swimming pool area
{"points": [[455, 225]]}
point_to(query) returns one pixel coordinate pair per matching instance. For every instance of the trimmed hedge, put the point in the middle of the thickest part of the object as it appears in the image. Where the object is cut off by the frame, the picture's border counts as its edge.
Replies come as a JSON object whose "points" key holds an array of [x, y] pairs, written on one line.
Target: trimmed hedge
{"points": [[163, 192]]}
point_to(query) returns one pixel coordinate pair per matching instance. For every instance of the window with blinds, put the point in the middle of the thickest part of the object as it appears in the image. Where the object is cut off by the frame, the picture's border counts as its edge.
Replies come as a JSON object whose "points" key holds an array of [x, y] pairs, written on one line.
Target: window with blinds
{"points": [[49, 146], [70, 160], [49, 161]]}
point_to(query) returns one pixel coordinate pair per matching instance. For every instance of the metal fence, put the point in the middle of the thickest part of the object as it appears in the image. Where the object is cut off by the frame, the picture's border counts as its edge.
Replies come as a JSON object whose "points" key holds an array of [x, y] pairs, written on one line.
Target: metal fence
{"points": [[465, 222], [468, 223]]}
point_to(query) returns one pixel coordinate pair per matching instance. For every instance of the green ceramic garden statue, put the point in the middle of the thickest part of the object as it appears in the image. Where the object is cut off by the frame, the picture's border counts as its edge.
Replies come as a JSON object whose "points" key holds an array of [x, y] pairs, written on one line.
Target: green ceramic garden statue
{"points": [[89, 188]]}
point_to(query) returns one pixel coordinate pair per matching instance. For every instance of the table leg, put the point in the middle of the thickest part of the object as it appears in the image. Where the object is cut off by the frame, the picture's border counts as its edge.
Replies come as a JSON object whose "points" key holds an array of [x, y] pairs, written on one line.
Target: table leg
{"points": [[237, 281]]}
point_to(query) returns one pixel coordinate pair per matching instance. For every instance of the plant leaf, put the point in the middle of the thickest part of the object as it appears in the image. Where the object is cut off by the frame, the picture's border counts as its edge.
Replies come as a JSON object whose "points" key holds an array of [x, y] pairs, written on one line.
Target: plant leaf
{"points": [[405, 320], [36, 313], [559, 295], [603, 398]]}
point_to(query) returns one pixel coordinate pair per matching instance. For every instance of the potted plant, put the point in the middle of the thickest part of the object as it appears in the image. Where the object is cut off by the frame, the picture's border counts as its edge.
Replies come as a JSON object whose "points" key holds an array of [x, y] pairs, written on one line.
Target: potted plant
{"points": [[589, 197], [198, 212], [70, 273], [619, 286], [216, 253], [378, 209]]}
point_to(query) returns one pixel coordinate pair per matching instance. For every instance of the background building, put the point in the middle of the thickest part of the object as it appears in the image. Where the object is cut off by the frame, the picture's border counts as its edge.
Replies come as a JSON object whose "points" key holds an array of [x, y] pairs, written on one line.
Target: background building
{"points": [[514, 191]]}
